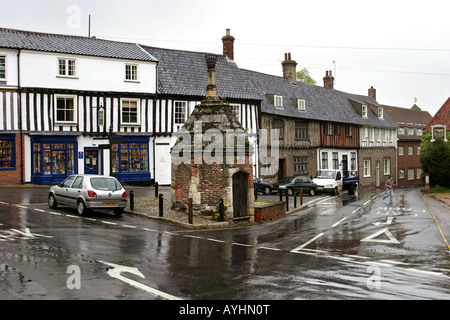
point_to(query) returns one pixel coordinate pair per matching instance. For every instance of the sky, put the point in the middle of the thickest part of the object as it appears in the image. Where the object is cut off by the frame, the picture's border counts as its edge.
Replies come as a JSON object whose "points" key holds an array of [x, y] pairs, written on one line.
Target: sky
{"points": [[401, 48]]}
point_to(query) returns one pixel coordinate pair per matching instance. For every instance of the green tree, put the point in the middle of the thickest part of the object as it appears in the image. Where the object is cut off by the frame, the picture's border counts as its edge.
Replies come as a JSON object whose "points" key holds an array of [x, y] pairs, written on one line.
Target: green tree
{"points": [[436, 162], [304, 76]]}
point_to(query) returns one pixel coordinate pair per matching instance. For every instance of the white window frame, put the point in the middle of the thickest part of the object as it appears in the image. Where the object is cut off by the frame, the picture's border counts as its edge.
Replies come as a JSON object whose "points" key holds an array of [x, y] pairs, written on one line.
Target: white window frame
{"points": [[410, 150], [236, 110], [366, 168], [278, 101], [364, 111], [66, 69], [179, 117], [138, 112], [401, 151], [5, 59], [411, 172], [387, 166], [380, 113], [134, 72], [401, 131], [301, 104], [401, 174], [75, 108]]}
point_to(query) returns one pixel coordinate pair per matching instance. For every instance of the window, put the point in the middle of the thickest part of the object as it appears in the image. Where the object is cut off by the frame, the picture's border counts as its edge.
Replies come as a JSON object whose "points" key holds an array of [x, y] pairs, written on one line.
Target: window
{"points": [[131, 72], [278, 101], [301, 130], [410, 151], [387, 166], [401, 151], [419, 172], [401, 130], [371, 134], [78, 183], [130, 112], [401, 174], [2, 68], [7, 152], [410, 131], [66, 109], [129, 157], [353, 161], [278, 124], [329, 129], [366, 168], [324, 160], [236, 110], [364, 134], [301, 105], [348, 131], [300, 165], [180, 112], [364, 111], [335, 156], [411, 174], [67, 67], [419, 132], [380, 113], [418, 151]]}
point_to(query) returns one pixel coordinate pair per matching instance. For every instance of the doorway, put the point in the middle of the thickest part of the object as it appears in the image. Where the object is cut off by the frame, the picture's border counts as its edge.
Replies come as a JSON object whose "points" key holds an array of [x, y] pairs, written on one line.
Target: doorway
{"points": [[91, 161], [240, 194]]}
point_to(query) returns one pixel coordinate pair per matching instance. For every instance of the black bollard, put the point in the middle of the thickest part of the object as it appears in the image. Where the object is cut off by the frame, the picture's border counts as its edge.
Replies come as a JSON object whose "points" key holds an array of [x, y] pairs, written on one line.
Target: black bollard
{"points": [[161, 205], [190, 211], [287, 201], [295, 199], [301, 197], [156, 189], [132, 200]]}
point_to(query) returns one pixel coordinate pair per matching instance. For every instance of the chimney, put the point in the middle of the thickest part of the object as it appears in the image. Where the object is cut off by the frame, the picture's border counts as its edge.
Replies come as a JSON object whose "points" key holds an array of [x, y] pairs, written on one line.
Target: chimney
{"points": [[211, 89], [228, 47], [289, 68], [328, 80], [373, 92]]}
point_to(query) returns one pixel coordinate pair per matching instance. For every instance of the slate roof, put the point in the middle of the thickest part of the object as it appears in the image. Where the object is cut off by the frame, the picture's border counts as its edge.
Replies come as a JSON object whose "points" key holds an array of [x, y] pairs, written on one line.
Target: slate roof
{"points": [[321, 104], [18, 39], [185, 73]]}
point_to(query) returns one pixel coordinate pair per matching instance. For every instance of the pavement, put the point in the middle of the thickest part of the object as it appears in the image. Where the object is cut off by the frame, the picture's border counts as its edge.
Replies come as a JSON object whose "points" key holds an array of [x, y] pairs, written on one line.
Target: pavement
{"points": [[439, 205]]}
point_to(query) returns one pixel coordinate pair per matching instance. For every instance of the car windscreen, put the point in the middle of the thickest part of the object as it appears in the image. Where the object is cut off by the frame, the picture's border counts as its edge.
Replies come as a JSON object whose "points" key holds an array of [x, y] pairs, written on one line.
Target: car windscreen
{"points": [[105, 184]]}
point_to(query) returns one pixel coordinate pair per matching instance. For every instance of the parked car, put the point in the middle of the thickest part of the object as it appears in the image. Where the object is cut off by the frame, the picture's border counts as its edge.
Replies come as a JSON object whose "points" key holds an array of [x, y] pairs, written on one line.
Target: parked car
{"points": [[261, 186], [334, 181], [292, 184], [87, 192]]}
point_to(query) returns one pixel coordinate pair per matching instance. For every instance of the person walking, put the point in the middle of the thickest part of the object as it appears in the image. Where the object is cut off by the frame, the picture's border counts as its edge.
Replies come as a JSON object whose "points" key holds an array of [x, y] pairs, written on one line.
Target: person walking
{"points": [[389, 190]]}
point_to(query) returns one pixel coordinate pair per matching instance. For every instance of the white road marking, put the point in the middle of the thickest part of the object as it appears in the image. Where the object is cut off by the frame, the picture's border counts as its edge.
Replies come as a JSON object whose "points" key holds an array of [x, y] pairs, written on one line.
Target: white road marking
{"points": [[128, 226], [376, 234], [337, 223], [307, 242], [356, 210], [107, 222]]}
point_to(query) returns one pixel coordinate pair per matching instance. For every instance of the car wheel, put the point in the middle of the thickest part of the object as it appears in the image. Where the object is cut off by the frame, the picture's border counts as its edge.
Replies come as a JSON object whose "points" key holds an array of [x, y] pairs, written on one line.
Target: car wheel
{"points": [[335, 192], [52, 203], [312, 192], [118, 212], [267, 191], [81, 208]]}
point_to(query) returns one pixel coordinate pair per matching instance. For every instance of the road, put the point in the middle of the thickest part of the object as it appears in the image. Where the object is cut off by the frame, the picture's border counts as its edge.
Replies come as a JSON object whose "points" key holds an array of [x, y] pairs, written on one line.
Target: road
{"points": [[343, 247]]}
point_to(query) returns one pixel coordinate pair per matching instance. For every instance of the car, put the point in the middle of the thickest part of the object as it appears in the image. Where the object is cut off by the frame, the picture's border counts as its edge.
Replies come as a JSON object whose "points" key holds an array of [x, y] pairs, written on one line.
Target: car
{"points": [[262, 186], [292, 184], [88, 192]]}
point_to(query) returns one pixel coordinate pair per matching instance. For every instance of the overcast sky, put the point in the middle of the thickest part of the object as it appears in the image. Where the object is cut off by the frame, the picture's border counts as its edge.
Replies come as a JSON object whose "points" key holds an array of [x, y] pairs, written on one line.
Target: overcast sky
{"points": [[401, 48]]}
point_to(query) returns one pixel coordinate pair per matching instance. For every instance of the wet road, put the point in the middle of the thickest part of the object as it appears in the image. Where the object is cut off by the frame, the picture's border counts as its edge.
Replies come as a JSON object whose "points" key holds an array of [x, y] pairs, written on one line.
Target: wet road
{"points": [[344, 247]]}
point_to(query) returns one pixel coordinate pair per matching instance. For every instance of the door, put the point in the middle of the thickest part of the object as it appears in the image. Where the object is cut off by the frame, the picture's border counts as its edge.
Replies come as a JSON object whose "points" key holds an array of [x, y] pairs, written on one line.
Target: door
{"points": [[240, 194], [91, 161], [281, 169], [377, 173]]}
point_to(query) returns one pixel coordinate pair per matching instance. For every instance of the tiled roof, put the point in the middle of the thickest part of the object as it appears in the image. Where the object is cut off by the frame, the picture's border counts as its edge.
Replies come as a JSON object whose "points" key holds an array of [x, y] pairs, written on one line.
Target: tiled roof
{"points": [[17, 39], [412, 118], [321, 104], [185, 73], [441, 117]]}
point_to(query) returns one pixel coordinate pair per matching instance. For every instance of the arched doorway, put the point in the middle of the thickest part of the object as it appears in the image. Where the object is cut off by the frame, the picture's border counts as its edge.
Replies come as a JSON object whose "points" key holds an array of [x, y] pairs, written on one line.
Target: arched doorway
{"points": [[240, 194]]}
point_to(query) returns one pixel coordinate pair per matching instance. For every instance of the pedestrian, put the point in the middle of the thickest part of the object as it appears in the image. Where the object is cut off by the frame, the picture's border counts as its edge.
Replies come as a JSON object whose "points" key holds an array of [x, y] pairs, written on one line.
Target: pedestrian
{"points": [[389, 189]]}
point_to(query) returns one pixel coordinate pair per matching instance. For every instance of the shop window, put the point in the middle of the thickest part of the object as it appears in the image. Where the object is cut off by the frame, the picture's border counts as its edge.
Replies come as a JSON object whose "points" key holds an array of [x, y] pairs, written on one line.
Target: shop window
{"points": [[129, 157], [7, 152]]}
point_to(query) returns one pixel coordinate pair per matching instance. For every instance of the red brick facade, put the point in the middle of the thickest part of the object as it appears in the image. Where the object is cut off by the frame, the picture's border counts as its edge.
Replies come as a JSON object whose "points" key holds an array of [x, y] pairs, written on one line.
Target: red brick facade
{"points": [[15, 176]]}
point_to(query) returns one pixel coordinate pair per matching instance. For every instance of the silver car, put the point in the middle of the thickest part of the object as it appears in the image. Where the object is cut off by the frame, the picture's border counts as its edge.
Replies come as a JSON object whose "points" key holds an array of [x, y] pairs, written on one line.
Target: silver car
{"points": [[87, 192]]}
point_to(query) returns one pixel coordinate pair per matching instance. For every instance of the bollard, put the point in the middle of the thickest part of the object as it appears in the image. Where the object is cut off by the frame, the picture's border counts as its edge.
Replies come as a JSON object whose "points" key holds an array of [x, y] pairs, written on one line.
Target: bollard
{"points": [[295, 199], [161, 205], [221, 210], [287, 201], [301, 197], [190, 211], [132, 200], [156, 189], [281, 195], [255, 191]]}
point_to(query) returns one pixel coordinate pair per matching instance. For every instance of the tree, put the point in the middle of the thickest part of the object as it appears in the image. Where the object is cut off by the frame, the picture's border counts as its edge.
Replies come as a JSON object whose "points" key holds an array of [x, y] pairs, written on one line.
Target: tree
{"points": [[304, 76], [436, 162]]}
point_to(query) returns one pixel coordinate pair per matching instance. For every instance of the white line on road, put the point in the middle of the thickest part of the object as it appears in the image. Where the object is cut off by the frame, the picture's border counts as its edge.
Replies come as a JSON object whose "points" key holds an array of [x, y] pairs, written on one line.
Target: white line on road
{"points": [[337, 223], [39, 210], [307, 242], [55, 213], [356, 210], [128, 226], [71, 216], [367, 202], [107, 222]]}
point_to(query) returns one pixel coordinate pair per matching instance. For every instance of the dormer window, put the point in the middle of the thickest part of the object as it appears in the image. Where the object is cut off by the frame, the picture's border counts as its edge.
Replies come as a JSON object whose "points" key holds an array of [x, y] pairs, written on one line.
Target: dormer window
{"points": [[278, 101], [301, 104], [380, 113], [364, 111]]}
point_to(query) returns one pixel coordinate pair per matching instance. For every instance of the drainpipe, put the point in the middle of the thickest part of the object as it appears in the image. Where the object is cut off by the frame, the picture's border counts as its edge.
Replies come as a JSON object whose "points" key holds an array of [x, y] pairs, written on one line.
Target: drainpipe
{"points": [[19, 104]]}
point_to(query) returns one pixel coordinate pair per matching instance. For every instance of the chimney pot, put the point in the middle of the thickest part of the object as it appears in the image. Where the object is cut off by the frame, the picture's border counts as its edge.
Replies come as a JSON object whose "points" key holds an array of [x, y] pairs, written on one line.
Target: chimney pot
{"points": [[328, 80], [289, 68]]}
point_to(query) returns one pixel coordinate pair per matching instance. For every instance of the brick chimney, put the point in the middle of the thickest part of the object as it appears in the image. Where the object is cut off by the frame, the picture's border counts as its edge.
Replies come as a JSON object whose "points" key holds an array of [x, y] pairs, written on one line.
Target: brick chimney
{"points": [[289, 68], [328, 80], [373, 92], [228, 45]]}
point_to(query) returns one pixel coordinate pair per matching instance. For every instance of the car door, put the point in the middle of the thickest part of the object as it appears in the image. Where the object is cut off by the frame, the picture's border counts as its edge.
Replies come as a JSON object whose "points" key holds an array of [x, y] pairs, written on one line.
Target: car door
{"points": [[75, 190], [62, 194]]}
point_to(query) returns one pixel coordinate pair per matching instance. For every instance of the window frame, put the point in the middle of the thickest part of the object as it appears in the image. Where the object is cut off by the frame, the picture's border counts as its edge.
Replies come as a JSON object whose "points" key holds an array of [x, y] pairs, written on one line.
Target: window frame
{"points": [[67, 67], [3, 69], [11, 155], [177, 119], [366, 169], [138, 112], [278, 101], [133, 74], [74, 110]]}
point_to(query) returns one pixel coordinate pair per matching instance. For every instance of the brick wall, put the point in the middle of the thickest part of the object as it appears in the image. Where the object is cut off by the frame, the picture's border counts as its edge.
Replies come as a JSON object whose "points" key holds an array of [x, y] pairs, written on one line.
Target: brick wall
{"points": [[13, 176], [377, 155], [269, 212]]}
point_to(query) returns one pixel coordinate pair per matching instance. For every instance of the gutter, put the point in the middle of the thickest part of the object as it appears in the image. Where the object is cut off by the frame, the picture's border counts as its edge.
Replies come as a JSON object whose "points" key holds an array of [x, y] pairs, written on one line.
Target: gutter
{"points": [[19, 104]]}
